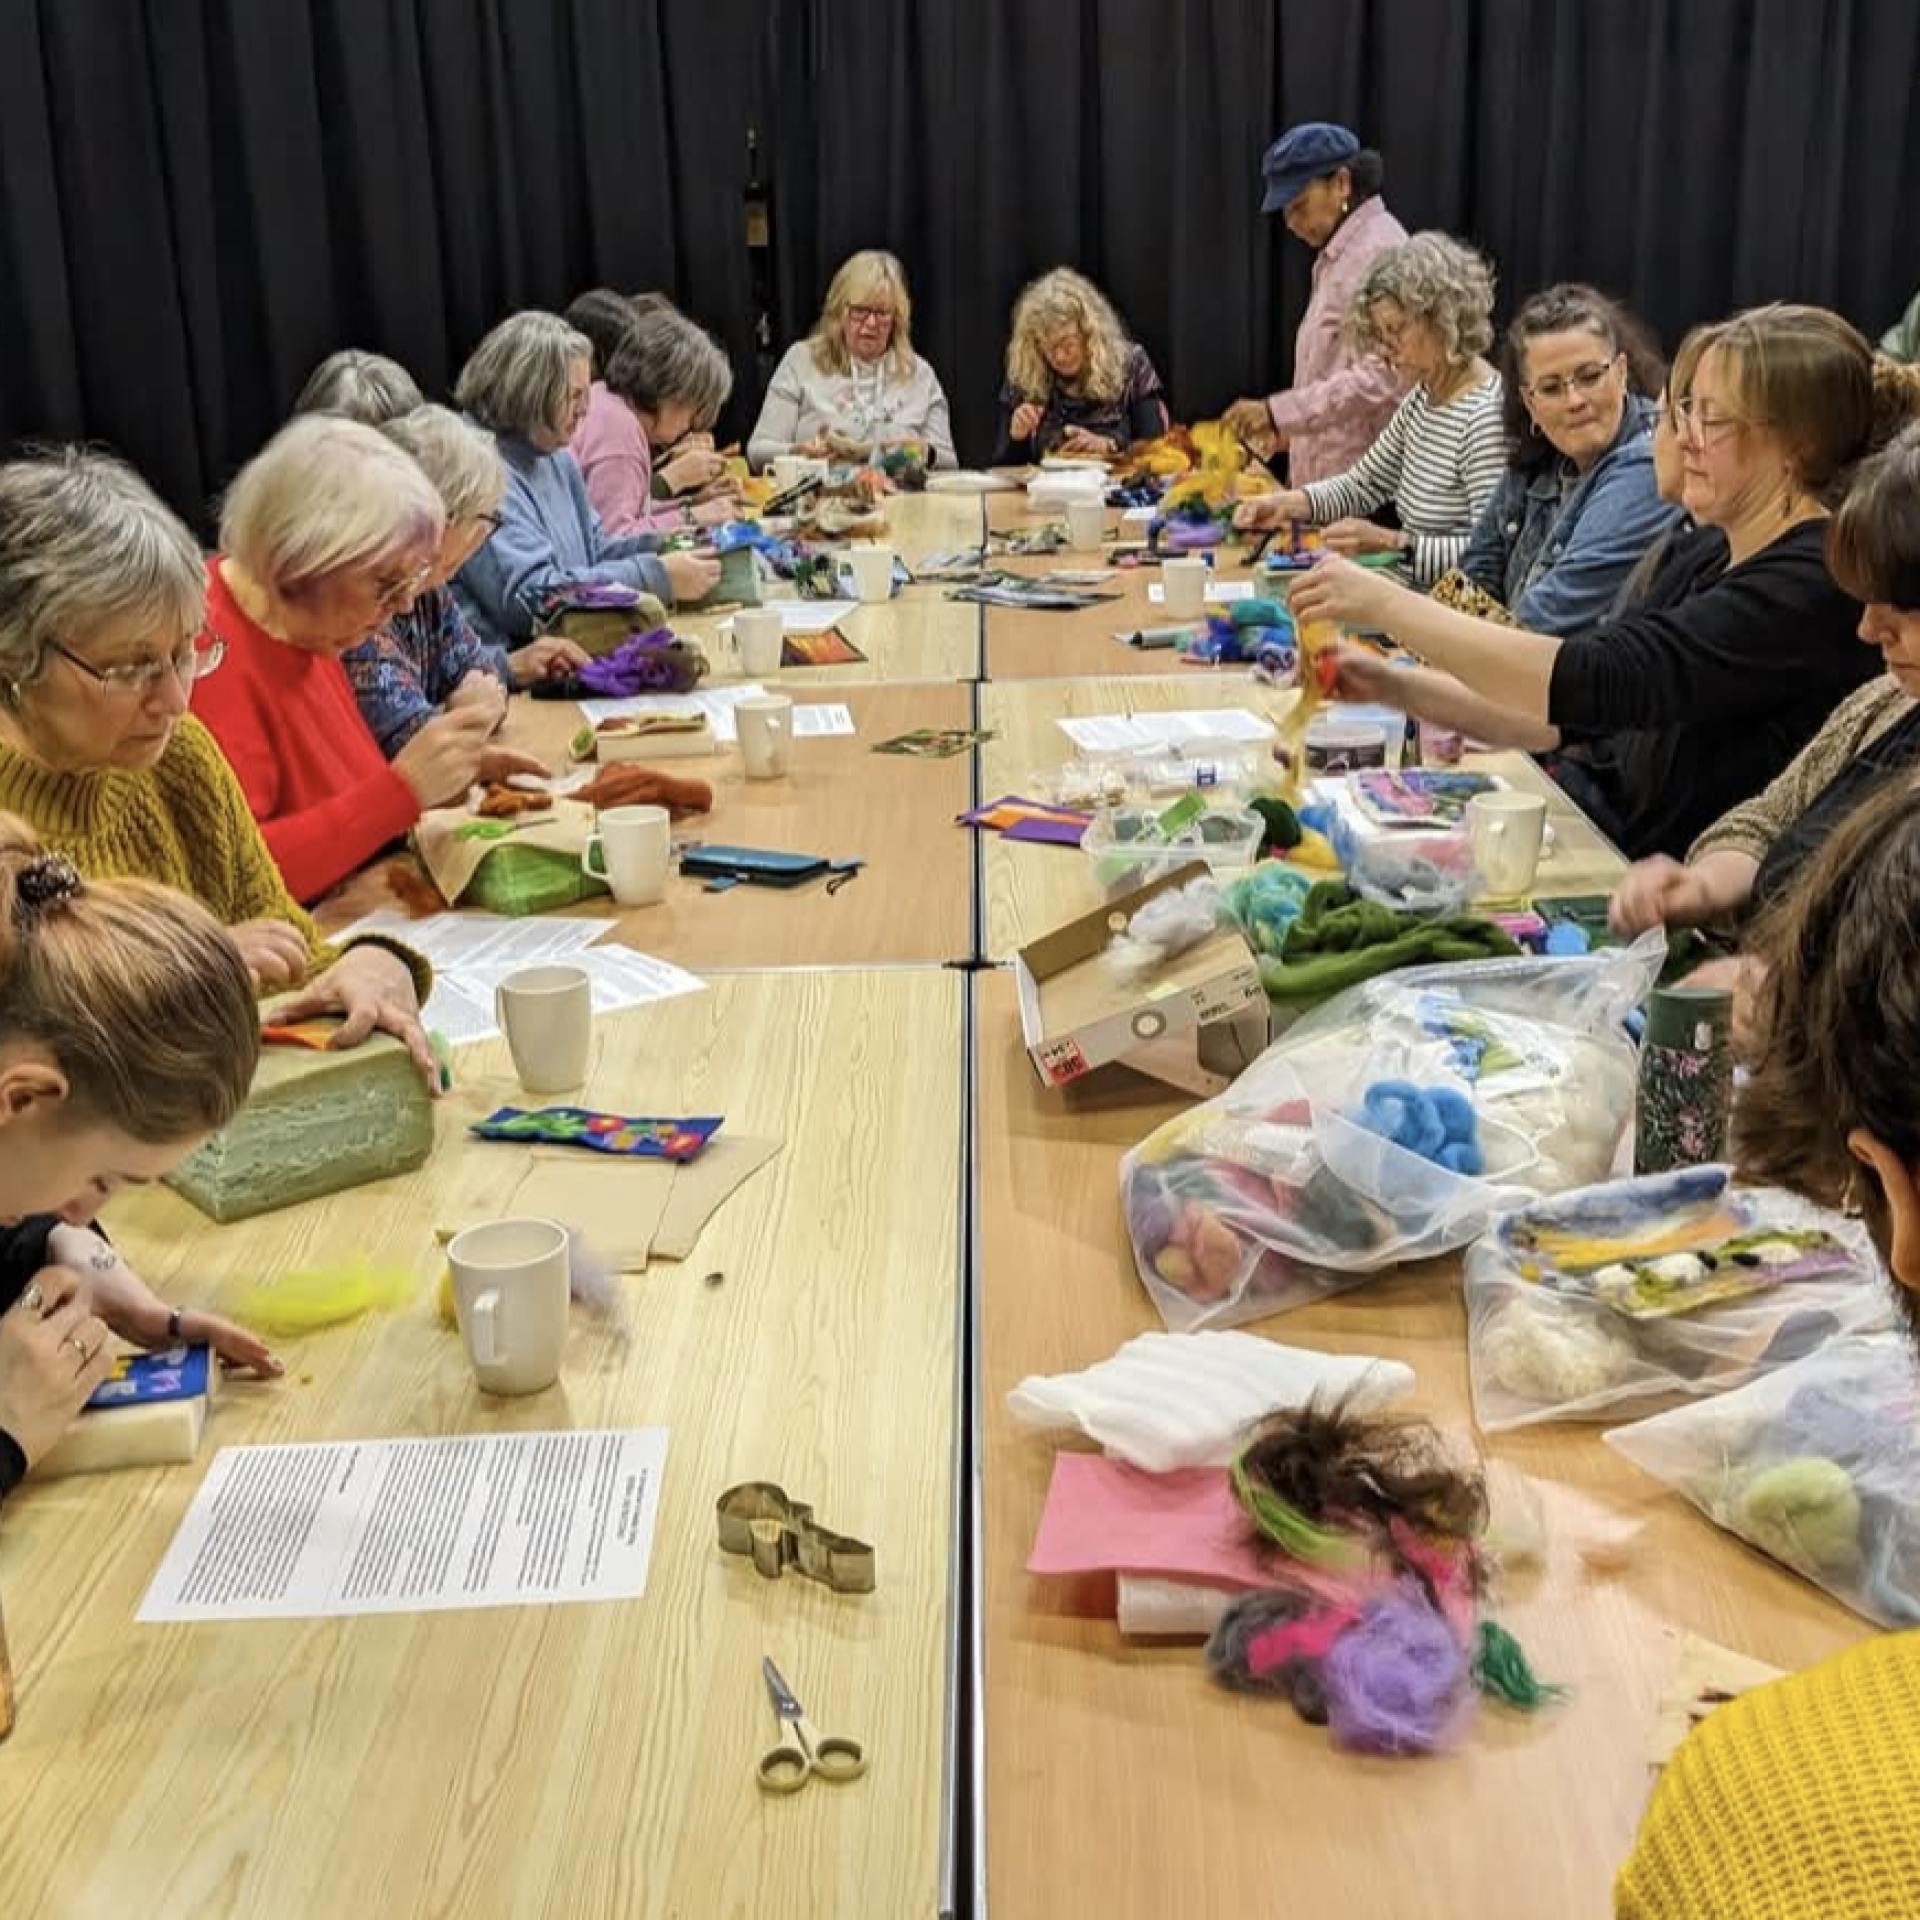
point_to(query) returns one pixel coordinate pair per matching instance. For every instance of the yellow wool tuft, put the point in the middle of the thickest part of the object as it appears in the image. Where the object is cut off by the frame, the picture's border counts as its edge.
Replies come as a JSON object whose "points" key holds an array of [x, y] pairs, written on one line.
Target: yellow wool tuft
{"points": [[319, 1297]]}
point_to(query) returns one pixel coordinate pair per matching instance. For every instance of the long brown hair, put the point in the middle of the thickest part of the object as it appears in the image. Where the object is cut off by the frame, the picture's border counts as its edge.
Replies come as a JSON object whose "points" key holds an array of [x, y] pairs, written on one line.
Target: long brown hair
{"points": [[1839, 1013], [134, 991]]}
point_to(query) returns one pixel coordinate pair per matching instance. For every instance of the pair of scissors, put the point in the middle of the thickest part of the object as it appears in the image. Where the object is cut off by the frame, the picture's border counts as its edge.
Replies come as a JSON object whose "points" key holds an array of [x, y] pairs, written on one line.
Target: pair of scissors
{"points": [[803, 1750]]}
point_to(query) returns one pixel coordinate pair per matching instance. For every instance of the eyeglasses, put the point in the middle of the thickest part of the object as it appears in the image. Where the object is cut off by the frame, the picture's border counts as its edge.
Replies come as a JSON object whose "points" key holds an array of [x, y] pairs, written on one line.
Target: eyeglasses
{"points": [[186, 663], [1702, 428], [389, 593], [870, 316], [1585, 379], [493, 522]]}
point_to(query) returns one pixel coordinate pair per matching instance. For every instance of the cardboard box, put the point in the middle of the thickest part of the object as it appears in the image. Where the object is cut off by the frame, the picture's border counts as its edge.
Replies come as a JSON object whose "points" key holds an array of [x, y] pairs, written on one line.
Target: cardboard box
{"points": [[1195, 1025]]}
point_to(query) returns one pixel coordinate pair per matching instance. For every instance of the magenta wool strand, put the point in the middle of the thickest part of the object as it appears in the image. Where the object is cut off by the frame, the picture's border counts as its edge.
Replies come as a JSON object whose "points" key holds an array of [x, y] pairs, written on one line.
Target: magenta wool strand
{"points": [[1397, 1681]]}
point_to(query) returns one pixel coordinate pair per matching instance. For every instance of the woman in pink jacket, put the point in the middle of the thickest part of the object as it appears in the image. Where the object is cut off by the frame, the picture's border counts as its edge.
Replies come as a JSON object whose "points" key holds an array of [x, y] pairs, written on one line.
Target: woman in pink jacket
{"points": [[665, 379], [1326, 186]]}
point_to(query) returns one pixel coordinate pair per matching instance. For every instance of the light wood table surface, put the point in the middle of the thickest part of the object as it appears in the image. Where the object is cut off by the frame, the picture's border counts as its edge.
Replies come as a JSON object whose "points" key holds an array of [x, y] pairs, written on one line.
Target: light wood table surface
{"points": [[913, 901], [1037, 645], [568, 1760], [1120, 1781], [1028, 888], [918, 635]]}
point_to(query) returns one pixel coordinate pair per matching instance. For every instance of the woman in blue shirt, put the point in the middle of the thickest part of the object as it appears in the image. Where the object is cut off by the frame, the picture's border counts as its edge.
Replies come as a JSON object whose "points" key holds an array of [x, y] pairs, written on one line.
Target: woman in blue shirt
{"points": [[1578, 506]]}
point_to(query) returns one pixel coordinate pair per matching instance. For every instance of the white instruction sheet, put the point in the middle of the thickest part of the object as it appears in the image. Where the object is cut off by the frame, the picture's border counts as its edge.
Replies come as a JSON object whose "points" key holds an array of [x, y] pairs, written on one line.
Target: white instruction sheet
{"points": [[415, 1526], [805, 616], [1140, 732], [462, 1006]]}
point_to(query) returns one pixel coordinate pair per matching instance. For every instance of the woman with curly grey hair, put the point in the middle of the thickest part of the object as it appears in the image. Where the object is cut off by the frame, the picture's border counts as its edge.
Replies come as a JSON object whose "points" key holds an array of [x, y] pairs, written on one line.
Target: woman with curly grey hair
{"points": [[1427, 308]]}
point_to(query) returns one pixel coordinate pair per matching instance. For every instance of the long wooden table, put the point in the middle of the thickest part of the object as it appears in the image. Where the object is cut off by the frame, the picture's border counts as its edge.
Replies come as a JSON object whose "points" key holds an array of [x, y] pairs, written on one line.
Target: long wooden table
{"points": [[1120, 1781], [912, 902], [1028, 888], [571, 1760]]}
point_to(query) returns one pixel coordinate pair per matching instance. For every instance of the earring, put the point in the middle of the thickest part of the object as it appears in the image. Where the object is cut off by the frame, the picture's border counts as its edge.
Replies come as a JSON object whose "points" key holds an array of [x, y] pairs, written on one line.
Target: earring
{"points": [[1343, 208], [1533, 427]]}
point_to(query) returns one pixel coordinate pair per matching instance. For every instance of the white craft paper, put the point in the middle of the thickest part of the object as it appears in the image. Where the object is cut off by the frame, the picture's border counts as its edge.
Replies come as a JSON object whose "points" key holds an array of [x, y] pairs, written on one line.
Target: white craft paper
{"points": [[1219, 592], [462, 1006], [1140, 732], [415, 1526]]}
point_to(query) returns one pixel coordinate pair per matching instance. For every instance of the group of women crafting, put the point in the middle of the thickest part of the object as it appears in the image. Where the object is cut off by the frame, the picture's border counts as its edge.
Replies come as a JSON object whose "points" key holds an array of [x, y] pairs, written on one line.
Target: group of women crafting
{"points": [[1693, 589]]}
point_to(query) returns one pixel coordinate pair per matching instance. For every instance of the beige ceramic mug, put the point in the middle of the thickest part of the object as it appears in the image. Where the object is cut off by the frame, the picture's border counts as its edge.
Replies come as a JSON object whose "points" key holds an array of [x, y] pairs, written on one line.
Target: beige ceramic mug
{"points": [[1506, 829], [511, 1284], [547, 1015], [765, 727], [630, 849], [758, 635]]}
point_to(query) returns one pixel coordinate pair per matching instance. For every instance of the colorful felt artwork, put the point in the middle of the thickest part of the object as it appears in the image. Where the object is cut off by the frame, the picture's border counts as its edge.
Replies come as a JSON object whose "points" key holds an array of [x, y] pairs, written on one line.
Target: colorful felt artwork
{"points": [[830, 648], [933, 743], [1417, 797], [1666, 1245], [643, 1139], [1016, 819]]}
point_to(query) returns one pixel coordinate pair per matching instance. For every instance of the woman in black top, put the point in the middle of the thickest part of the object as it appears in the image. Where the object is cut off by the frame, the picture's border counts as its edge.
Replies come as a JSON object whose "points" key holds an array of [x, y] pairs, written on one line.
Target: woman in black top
{"points": [[128, 1033], [1075, 382], [1752, 855], [1676, 711]]}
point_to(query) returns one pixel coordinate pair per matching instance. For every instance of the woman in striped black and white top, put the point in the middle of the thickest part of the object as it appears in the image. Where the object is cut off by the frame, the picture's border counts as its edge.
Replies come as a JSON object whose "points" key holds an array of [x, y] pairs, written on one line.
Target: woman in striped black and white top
{"points": [[1427, 307]]}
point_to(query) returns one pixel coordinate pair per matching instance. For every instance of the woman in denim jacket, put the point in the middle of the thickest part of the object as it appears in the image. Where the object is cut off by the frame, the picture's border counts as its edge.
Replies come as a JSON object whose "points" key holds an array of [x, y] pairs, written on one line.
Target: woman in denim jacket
{"points": [[1578, 506]]}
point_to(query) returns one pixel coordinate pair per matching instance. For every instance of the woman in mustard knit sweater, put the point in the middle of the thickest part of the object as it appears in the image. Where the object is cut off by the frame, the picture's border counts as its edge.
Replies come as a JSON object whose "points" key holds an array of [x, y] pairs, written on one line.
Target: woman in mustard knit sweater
{"points": [[102, 593], [1797, 1801]]}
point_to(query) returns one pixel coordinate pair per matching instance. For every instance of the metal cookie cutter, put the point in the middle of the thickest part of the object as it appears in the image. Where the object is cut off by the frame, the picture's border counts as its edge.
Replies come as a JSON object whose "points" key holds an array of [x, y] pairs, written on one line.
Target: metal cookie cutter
{"points": [[757, 1519]]}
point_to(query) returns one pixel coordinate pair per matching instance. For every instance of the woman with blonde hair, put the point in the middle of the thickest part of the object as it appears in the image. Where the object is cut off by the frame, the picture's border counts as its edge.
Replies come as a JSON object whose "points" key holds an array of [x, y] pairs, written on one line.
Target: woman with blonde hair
{"points": [[128, 1033], [327, 533], [1075, 382], [855, 386], [1662, 718], [103, 595]]}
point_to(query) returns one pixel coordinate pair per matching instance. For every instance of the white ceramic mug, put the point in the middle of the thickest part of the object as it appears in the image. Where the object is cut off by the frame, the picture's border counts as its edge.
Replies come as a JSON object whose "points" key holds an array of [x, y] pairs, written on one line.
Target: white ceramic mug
{"points": [[547, 1015], [765, 727], [1183, 587], [511, 1283], [788, 470], [634, 845], [1507, 829], [758, 635], [1087, 524], [872, 572]]}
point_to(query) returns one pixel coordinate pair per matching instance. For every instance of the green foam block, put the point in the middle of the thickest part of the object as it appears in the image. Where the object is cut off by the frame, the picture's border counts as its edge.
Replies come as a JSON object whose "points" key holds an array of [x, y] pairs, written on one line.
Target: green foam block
{"points": [[315, 1123]]}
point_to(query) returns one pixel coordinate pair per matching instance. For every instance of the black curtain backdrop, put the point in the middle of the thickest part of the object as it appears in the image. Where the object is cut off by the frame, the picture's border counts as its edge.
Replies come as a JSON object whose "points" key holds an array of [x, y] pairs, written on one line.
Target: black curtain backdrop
{"points": [[199, 198]]}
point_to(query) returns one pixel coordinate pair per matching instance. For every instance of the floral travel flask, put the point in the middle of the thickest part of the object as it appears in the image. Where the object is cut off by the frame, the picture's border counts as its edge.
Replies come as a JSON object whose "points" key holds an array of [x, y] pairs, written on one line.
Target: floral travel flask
{"points": [[1686, 1079]]}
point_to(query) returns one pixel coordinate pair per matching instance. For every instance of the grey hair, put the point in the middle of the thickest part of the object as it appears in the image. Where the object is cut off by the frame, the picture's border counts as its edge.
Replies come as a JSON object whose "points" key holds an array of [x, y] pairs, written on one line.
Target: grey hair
{"points": [[84, 542], [367, 387], [515, 380], [326, 494], [1435, 278], [667, 357], [462, 461]]}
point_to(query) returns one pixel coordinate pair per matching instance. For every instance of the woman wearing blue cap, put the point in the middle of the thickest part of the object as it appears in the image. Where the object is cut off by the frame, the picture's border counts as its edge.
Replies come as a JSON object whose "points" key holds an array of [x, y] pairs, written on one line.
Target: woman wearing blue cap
{"points": [[1326, 186]]}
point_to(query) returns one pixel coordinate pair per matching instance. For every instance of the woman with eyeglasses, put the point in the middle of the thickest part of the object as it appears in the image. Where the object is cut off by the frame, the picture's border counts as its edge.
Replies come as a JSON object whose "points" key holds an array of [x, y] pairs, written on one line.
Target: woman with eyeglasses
{"points": [[855, 386], [103, 596], [1427, 307], [427, 658], [1678, 709], [1749, 857], [1579, 505], [1075, 383], [327, 533], [664, 382]]}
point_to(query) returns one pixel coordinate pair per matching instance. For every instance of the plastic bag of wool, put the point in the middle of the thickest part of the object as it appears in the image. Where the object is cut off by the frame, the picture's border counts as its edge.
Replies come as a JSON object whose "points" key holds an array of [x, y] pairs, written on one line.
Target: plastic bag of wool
{"points": [[1621, 1300], [1393, 1123], [1817, 1465]]}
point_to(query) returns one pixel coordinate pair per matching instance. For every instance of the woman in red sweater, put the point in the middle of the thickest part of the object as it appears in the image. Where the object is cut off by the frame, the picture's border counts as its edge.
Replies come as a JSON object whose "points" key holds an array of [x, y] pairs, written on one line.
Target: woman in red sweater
{"points": [[327, 533]]}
